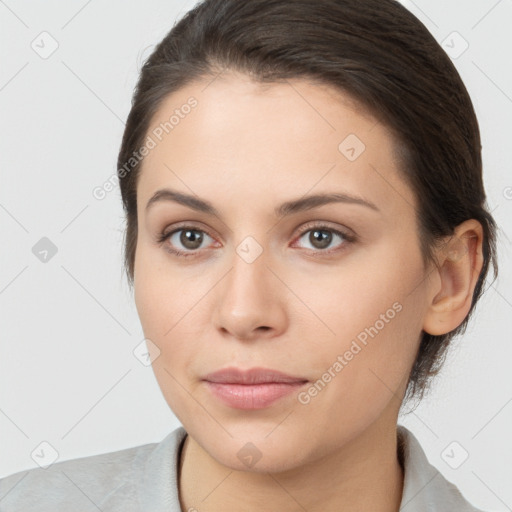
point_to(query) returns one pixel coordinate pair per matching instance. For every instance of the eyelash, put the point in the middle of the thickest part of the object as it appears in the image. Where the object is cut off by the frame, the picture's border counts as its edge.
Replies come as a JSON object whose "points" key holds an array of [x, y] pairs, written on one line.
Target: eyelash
{"points": [[348, 239]]}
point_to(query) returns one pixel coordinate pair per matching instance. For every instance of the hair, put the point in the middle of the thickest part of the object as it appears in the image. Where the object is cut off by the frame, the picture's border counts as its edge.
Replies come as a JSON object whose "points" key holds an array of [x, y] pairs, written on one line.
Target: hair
{"points": [[375, 52]]}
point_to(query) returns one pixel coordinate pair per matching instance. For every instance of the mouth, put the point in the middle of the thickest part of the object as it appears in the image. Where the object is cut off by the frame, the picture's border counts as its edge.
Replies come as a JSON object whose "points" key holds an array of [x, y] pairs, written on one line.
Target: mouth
{"points": [[255, 388]]}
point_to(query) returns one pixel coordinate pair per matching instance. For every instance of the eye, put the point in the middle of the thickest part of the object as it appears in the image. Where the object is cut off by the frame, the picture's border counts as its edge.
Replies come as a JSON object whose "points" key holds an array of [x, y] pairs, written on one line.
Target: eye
{"points": [[188, 237], [321, 237]]}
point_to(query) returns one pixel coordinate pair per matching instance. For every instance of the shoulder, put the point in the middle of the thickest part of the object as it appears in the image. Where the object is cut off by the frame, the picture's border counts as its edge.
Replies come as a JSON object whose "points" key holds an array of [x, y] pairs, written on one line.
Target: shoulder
{"points": [[425, 487], [105, 481]]}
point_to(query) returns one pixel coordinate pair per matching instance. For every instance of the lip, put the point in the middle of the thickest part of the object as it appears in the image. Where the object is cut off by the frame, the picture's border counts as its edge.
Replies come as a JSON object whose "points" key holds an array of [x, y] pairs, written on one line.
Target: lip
{"points": [[255, 388]]}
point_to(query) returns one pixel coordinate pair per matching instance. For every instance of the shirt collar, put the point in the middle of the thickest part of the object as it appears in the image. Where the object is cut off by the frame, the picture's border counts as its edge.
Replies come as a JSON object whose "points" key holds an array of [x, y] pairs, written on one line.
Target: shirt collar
{"points": [[425, 488]]}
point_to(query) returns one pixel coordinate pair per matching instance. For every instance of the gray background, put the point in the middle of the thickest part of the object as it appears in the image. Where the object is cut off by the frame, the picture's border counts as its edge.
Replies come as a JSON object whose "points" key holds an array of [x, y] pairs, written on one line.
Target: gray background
{"points": [[69, 326]]}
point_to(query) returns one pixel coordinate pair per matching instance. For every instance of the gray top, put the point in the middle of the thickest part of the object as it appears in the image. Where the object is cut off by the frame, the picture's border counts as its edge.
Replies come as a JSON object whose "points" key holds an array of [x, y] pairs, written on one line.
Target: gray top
{"points": [[144, 478]]}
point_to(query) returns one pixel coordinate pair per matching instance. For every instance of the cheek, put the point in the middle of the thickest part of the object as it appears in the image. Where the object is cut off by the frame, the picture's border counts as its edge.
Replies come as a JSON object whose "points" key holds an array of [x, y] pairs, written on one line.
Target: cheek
{"points": [[370, 314], [362, 371], [171, 307], [161, 295], [162, 310], [375, 378], [352, 296]]}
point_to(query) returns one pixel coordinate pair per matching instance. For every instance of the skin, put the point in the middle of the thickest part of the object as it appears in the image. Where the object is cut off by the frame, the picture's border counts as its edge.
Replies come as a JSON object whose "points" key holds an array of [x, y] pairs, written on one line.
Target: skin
{"points": [[247, 148]]}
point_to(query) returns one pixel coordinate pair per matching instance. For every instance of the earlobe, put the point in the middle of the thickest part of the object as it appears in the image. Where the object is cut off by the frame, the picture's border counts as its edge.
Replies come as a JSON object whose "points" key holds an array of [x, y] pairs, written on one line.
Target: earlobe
{"points": [[460, 262]]}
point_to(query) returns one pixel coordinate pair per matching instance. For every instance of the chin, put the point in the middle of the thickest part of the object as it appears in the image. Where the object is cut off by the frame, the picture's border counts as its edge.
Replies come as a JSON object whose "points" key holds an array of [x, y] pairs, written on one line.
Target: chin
{"points": [[254, 458], [253, 449]]}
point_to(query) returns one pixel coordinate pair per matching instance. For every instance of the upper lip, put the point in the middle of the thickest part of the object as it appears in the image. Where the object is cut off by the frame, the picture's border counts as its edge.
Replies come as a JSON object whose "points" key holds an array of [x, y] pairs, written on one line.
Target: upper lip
{"points": [[234, 375]]}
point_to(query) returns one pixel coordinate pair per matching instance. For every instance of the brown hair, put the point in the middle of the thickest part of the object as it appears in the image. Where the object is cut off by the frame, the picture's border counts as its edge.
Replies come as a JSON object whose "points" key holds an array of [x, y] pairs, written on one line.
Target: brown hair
{"points": [[375, 51]]}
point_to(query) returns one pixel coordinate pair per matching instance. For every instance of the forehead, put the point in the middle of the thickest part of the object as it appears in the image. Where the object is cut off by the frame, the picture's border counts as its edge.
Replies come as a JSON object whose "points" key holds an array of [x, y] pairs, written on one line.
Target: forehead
{"points": [[253, 137]]}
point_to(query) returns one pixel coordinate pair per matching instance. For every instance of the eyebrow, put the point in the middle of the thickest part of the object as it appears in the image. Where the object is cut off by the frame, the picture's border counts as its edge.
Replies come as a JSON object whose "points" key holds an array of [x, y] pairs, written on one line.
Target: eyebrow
{"points": [[287, 208]]}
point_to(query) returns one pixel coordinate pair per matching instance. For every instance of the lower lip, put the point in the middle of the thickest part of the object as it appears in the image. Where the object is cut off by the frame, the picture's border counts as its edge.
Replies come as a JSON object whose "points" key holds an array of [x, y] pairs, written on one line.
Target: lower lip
{"points": [[252, 396]]}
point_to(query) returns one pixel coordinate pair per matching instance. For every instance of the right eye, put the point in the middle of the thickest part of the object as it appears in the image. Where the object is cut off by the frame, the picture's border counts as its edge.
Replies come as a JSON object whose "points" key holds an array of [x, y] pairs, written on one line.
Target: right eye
{"points": [[189, 237]]}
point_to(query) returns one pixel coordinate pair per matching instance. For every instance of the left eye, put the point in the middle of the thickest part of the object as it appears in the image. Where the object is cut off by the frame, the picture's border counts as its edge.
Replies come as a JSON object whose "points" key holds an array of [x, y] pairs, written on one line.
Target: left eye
{"points": [[321, 237]]}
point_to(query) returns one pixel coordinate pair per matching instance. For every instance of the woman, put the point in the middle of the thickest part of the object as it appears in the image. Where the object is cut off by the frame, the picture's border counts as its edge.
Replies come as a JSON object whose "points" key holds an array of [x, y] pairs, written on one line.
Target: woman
{"points": [[306, 232]]}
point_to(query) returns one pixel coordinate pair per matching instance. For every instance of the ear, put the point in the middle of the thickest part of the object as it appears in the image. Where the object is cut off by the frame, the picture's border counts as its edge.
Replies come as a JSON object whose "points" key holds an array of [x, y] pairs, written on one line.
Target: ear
{"points": [[460, 262]]}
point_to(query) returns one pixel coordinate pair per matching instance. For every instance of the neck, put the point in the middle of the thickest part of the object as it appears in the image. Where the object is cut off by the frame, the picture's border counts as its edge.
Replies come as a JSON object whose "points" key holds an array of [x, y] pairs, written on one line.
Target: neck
{"points": [[364, 474]]}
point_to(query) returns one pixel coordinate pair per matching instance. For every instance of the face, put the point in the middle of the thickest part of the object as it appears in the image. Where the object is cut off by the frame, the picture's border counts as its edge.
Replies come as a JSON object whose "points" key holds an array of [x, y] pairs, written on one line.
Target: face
{"points": [[329, 292]]}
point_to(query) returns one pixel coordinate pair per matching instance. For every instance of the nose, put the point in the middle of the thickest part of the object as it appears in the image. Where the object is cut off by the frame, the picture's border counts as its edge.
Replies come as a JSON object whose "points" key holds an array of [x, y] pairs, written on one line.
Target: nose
{"points": [[250, 301]]}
